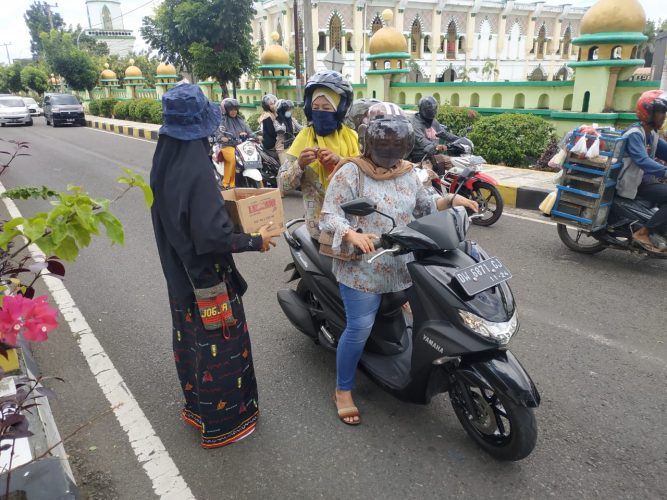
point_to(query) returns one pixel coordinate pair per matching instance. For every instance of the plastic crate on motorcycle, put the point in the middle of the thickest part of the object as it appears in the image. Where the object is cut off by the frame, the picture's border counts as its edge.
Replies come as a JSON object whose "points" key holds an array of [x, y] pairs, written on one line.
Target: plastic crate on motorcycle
{"points": [[588, 185]]}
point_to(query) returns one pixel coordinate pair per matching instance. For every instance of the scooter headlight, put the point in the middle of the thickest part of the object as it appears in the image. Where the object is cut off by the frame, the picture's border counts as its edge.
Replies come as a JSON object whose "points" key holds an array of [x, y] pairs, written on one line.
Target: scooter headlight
{"points": [[497, 332]]}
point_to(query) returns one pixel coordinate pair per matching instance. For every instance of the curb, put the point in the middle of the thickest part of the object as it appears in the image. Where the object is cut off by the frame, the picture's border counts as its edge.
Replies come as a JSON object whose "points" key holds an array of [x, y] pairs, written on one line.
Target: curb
{"points": [[514, 196], [139, 132], [522, 197]]}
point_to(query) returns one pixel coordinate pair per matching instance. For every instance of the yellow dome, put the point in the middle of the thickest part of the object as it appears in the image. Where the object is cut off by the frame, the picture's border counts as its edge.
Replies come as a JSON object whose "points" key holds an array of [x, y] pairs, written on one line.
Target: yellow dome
{"points": [[132, 70], [387, 39], [274, 54], [613, 16], [165, 69], [106, 74]]}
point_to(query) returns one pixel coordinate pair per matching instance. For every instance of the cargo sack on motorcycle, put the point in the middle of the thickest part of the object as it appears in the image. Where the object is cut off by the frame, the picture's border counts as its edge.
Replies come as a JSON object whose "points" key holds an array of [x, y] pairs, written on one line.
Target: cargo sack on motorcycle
{"points": [[558, 159], [580, 148], [594, 150], [214, 307], [548, 203]]}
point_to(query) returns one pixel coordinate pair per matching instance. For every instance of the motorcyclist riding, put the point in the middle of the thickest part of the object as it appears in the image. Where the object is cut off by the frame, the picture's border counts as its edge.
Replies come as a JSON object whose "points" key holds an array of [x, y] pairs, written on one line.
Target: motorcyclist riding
{"points": [[428, 131], [232, 131], [642, 176]]}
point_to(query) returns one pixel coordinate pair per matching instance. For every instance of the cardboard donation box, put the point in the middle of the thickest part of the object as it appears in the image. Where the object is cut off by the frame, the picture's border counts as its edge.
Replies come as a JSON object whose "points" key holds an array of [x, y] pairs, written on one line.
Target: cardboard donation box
{"points": [[251, 209]]}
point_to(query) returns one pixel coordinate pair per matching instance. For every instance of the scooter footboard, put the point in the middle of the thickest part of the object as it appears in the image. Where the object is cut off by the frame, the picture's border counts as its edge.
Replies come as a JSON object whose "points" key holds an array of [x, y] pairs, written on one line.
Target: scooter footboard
{"points": [[501, 371]]}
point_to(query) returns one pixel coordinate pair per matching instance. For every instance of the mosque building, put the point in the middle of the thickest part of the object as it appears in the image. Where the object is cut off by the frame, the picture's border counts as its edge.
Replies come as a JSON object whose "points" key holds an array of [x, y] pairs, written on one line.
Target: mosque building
{"points": [[105, 24], [448, 40]]}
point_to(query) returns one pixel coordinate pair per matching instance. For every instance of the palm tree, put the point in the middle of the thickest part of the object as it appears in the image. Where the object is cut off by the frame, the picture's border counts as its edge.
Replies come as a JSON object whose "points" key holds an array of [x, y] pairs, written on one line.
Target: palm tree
{"points": [[490, 69]]}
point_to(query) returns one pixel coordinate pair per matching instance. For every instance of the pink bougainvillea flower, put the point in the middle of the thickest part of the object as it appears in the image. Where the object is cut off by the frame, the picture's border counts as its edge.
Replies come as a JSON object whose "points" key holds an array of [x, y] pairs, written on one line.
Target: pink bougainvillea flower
{"points": [[14, 310], [40, 320]]}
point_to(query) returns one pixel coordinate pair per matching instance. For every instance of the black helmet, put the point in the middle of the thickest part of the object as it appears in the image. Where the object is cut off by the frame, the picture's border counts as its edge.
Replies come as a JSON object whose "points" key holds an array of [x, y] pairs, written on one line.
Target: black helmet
{"points": [[269, 101], [357, 113], [284, 105], [229, 104], [389, 136], [428, 107], [331, 80]]}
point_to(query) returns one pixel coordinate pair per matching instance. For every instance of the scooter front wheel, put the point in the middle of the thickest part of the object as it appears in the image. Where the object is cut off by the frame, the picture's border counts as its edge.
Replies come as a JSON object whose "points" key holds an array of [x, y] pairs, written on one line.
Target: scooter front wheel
{"points": [[490, 203], [503, 429]]}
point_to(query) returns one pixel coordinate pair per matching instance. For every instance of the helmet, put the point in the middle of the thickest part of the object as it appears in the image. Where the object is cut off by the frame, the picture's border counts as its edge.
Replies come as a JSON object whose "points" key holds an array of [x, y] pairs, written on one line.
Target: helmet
{"points": [[284, 105], [269, 102], [229, 104], [389, 137], [428, 107], [358, 112], [652, 101], [334, 81]]}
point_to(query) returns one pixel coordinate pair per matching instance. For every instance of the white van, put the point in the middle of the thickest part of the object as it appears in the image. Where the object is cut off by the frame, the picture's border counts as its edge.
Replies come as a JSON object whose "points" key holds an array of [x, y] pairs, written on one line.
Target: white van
{"points": [[13, 111]]}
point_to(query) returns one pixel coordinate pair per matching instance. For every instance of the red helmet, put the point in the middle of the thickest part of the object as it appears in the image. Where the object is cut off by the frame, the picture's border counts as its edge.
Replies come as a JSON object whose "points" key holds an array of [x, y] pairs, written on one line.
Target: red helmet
{"points": [[651, 102]]}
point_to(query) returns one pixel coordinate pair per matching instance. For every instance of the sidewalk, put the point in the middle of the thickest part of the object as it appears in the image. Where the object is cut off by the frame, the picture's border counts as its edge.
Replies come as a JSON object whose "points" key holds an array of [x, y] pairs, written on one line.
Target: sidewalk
{"points": [[519, 187]]}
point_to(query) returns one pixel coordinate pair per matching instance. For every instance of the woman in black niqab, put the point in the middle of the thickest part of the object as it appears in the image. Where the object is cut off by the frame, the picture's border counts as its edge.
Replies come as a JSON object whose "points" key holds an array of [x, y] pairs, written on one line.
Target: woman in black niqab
{"points": [[195, 239]]}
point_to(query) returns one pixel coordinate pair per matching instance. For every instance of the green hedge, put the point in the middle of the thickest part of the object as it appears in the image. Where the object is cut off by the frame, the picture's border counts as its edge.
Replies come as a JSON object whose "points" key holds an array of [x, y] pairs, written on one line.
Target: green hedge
{"points": [[515, 140], [137, 110], [457, 119], [253, 121], [120, 110]]}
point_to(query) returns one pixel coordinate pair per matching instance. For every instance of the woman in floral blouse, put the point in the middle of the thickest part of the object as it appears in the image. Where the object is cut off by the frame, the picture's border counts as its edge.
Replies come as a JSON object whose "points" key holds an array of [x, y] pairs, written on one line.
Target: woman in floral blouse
{"points": [[393, 184]]}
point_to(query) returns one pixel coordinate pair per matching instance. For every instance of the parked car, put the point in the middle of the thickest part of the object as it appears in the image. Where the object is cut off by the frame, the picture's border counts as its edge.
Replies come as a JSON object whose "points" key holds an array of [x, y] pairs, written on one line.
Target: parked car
{"points": [[63, 109], [13, 111], [34, 108]]}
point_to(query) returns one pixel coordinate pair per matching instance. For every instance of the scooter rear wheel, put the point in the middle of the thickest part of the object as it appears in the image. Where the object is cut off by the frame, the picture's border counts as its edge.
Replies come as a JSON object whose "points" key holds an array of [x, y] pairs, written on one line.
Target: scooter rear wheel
{"points": [[579, 241], [503, 429]]}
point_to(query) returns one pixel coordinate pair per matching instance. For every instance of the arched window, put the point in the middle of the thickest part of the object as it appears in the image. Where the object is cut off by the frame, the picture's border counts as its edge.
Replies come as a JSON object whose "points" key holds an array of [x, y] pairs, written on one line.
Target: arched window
{"points": [[348, 43], [593, 53], [474, 100], [321, 42], [106, 18], [455, 99], [484, 39], [418, 97], [634, 53], [387, 65], [497, 101], [462, 44], [617, 52], [449, 75], [427, 44], [541, 42], [415, 39], [587, 100], [519, 101], [436, 96], [401, 98], [514, 41], [451, 40], [336, 33], [543, 102], [400, 64], [567, 103], [377, 24], [567, 43]]}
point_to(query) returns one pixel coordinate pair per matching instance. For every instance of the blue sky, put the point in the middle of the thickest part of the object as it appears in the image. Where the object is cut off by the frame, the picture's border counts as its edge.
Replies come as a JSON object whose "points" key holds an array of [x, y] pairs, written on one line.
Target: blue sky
{"points": [[13, 29]]}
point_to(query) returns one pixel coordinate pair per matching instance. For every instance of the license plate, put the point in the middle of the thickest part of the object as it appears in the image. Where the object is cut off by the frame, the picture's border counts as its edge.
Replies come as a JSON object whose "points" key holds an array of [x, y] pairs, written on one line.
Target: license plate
{"points": [[482, 276]]}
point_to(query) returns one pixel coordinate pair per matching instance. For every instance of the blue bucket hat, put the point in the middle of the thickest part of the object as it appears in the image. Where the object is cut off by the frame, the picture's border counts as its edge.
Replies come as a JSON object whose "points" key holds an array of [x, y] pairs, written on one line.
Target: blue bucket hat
{"points": [[187, 114]]}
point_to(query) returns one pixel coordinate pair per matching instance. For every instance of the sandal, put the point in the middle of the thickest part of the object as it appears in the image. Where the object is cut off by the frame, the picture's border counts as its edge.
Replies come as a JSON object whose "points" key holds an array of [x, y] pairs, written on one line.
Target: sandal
{"points": [[349, 412], [646, 246]]}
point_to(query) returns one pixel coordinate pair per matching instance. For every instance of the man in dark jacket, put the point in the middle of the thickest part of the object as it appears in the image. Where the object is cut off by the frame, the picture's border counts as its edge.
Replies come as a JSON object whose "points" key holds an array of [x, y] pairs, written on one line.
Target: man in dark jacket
{"points": [[428, 131]]}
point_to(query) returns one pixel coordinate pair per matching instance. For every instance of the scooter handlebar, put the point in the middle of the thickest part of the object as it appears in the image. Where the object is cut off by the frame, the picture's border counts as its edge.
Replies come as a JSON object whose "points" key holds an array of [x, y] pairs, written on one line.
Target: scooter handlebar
{"points": [[377, 244]]}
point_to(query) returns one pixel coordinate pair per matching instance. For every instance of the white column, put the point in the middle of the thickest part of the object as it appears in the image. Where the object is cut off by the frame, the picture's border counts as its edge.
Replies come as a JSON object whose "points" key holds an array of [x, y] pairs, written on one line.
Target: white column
{"points": [[435, 42]]}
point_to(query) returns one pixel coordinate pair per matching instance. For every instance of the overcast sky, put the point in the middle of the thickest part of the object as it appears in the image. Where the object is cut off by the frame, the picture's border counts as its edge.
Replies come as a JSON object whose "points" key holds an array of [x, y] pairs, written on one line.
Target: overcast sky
{"points": [[13, 29]]}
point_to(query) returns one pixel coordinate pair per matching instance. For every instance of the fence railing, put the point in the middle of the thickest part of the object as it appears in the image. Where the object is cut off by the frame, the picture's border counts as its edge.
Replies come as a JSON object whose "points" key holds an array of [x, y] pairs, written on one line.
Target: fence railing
{"points": [[146, 93], [118, 93]]}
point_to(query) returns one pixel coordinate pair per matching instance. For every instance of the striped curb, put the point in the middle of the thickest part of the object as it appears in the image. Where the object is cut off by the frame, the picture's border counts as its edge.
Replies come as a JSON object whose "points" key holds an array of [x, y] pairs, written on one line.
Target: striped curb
{"points": [[142, 133], [514, 195]]}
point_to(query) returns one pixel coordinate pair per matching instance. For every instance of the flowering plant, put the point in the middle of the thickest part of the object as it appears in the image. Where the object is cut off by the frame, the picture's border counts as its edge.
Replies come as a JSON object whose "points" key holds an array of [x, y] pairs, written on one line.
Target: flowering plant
{"points": [[62, 232]]}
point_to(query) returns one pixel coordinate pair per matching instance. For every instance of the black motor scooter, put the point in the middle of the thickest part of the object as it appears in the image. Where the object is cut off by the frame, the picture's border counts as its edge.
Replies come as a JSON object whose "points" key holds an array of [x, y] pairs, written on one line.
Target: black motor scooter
{"points": [[464, 316]]}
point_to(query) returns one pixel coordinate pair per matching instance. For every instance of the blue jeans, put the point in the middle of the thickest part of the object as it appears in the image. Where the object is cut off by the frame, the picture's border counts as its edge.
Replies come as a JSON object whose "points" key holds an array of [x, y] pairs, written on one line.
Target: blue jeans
{"points": [[360, 311]]}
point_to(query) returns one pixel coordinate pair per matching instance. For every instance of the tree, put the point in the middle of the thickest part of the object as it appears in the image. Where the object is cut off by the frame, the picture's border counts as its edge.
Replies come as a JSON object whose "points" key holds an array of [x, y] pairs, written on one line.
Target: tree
{"points": [[11, 78], [37, 20], [647, 48], [35, 79], [76, 66], [207, 37], [490, 69]]}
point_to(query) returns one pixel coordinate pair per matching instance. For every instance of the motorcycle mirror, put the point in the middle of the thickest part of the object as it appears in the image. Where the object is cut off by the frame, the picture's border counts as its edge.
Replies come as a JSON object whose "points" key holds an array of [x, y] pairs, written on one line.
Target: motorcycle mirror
{"points": [[360, 207]]}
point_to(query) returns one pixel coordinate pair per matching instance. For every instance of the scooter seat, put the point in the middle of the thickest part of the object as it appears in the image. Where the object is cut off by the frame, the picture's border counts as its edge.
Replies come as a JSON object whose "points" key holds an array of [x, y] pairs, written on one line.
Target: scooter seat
{"points": [[312, 249]]}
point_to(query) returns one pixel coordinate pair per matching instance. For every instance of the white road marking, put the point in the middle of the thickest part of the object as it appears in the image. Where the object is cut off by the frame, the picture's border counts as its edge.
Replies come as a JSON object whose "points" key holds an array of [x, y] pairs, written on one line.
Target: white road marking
{"points": [[530, 219], [119, 135], [150, 452]]}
